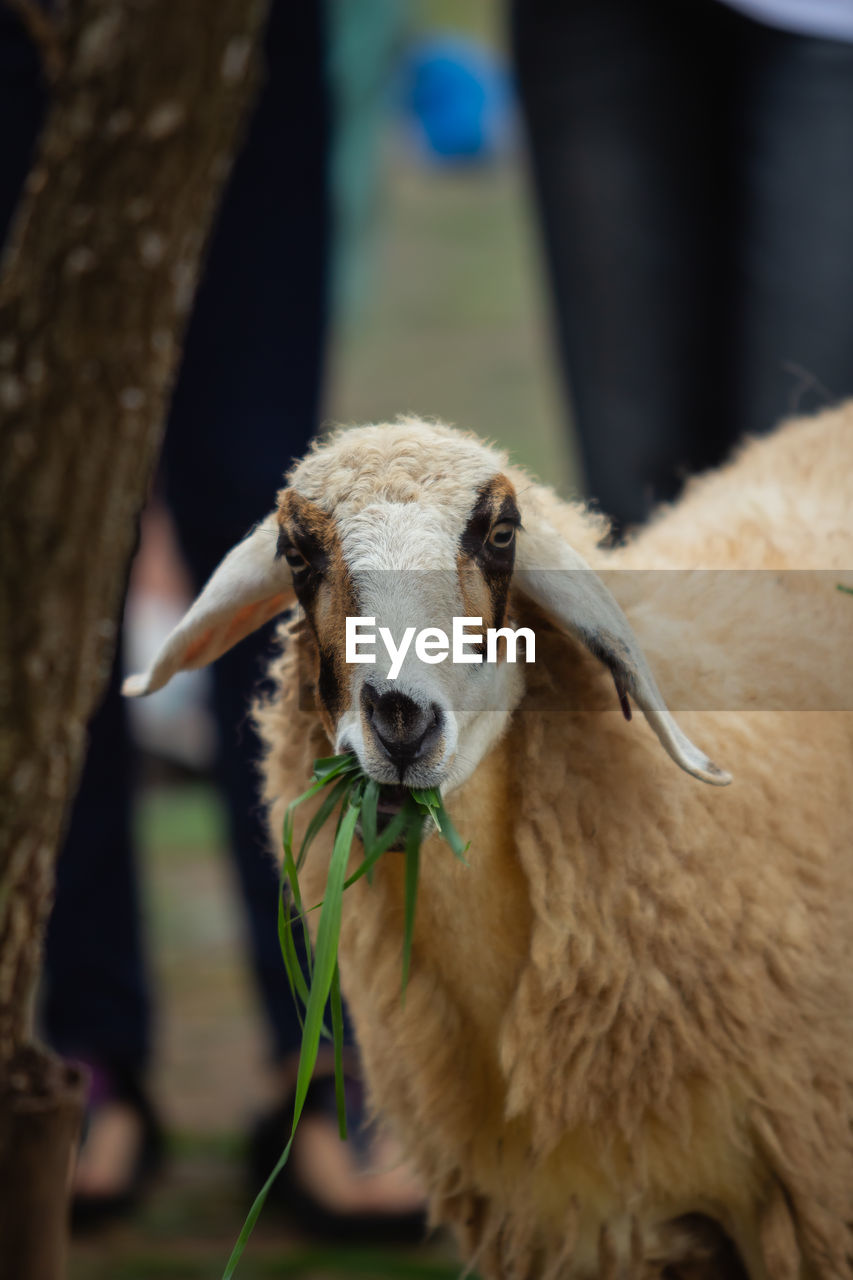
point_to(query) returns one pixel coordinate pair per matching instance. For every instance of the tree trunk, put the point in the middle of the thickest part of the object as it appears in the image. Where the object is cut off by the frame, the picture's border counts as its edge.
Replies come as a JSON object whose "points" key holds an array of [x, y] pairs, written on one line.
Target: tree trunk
{"points": [[148, 96]]}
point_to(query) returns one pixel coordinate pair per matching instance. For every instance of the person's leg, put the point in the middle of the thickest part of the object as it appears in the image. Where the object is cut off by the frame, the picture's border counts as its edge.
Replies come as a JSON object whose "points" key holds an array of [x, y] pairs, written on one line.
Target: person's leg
{"points": [[247, 402], [623, 101], [22, 105], [96, 1003], [791, 330]]}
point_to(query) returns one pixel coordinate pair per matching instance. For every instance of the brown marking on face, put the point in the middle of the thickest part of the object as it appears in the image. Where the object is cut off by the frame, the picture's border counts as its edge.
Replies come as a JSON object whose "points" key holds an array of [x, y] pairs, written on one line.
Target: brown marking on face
{"points": [[325, 590], [484, 569]]}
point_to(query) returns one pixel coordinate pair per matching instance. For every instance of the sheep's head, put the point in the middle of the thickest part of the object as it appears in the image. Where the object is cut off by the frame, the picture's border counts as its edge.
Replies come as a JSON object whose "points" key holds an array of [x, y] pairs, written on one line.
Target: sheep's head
{"points": [[409, 531], [412, 525]]}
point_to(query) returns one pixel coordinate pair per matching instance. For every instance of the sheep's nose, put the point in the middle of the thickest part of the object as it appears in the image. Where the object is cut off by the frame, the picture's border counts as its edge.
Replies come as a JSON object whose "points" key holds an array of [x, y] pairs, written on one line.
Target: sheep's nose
{"points": [[404, 729]]}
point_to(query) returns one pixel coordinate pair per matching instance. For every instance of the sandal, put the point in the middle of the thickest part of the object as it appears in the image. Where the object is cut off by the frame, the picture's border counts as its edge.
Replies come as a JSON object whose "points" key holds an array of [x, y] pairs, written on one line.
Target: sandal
{"points": [[359, 1210], [114, 1098]]}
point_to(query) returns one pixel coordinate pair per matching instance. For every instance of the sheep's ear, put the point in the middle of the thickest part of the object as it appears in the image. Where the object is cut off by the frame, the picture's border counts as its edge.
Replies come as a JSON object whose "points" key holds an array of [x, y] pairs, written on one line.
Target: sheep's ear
{"points": [[248, 588], [576, 598]]}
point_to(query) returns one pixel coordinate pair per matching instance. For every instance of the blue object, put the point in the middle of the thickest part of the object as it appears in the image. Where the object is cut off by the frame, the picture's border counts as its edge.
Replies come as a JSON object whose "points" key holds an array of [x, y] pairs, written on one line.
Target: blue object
{"points": [[460, 99]]}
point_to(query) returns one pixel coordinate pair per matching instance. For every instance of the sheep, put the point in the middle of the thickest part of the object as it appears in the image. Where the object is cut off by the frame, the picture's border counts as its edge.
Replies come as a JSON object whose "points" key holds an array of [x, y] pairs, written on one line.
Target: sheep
{"points": [[625, 1047]]}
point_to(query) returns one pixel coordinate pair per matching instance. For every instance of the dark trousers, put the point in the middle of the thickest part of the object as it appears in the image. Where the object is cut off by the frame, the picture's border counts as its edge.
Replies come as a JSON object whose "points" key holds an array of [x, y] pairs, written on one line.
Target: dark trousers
{"points": [[694, 178], [246, 403]]}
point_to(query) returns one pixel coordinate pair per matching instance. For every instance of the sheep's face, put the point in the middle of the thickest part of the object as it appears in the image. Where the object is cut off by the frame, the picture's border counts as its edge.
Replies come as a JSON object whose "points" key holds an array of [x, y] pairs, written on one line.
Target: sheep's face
{"points": [[413, 525], [412, 546]]}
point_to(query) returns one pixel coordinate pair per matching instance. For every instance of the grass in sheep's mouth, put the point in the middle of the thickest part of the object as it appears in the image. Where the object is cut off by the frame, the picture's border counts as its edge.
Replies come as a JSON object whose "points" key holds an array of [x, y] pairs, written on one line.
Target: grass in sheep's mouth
{"points": [[387, 817]]}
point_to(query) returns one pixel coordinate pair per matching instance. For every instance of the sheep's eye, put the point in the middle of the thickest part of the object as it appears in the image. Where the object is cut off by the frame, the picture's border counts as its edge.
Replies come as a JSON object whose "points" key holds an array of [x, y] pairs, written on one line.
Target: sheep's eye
{"points": [[502, 535], [296, 560]]}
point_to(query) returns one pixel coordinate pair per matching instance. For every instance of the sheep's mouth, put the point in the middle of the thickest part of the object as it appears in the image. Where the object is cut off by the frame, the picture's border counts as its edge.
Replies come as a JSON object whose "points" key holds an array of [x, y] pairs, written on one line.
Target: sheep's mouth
{"points": [[390, 802]]}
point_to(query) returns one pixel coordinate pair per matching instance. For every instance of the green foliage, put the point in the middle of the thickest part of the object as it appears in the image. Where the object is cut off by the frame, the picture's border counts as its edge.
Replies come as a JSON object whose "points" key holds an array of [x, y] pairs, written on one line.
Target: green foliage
{"points": [[355, 797]]}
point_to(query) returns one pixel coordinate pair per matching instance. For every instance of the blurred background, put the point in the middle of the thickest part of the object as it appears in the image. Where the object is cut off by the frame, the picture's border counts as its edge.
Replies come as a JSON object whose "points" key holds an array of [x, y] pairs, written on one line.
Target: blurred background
{"points": [[691, 163]]}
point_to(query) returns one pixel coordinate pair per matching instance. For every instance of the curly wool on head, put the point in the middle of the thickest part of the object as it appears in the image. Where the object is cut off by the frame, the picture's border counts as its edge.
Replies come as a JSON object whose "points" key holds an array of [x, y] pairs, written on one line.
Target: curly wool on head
{"points": [[625, 1049]]}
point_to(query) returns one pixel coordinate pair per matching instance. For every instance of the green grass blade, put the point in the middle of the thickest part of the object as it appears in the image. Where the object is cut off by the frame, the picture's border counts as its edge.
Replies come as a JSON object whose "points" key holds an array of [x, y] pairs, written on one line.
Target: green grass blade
{"points": [[338, 1034], [294, 804], [357, 795], [430, 798], [382, 843], [321, 817], [369, 819], [332, 766], [325, 956], [452, 837], [292, 874], [287, 944], [413, 852], [392, 831], [255, 1212], [289, 863], [428, 795]]}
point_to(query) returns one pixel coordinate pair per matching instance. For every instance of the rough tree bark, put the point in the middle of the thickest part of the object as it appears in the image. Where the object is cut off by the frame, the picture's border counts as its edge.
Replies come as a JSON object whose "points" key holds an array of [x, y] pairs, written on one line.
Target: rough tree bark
{"points": [[147, 100]]}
